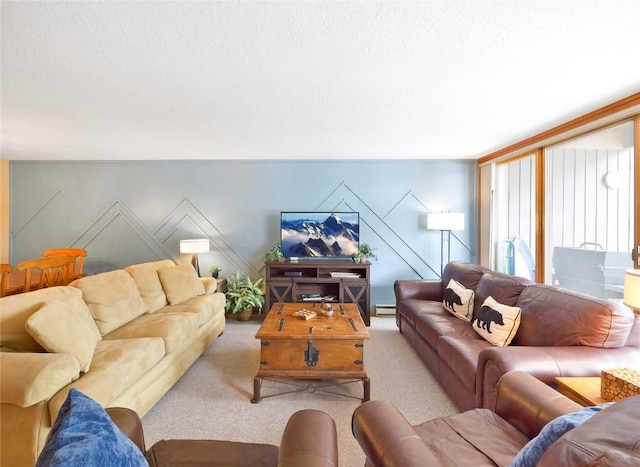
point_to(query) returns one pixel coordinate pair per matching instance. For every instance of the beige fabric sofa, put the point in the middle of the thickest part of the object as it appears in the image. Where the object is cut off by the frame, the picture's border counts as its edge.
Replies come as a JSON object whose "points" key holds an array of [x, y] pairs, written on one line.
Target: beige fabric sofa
{"points": [[122, 337]]}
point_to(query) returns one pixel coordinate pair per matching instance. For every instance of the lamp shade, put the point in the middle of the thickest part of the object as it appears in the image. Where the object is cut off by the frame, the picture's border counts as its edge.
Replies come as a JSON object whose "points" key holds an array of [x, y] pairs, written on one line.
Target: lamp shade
{"points": [[445, 221], [194, 245], [631, 296]]}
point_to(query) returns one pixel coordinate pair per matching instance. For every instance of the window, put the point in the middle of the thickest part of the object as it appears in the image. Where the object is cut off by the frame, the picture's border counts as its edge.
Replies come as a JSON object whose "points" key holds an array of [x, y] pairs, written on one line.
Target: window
{"points": [[515, 217]]}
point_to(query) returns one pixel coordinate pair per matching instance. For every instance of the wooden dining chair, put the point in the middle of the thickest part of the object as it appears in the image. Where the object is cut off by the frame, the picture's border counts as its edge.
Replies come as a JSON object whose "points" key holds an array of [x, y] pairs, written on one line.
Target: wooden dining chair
{"points": [[5, 270], [78, 254], [52, 272]]}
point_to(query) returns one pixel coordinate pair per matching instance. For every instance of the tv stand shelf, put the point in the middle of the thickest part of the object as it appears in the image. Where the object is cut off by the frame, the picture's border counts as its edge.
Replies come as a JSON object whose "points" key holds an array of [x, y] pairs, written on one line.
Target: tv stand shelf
{"points": [[288, 281]]}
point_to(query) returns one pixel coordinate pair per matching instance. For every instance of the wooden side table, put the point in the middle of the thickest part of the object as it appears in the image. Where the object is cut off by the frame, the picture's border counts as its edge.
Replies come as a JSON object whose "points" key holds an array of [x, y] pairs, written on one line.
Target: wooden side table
{"points": [[583, 390]]}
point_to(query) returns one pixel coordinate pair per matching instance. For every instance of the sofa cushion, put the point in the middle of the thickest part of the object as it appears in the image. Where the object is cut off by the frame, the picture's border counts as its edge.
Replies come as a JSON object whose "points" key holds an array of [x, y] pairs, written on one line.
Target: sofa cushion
{"points": [[414, 307], [41, 375], [210, 285], [180, 283], [558, 317], [458, 300], [84, 434], [431, 326], [533, 451], [175, 328], [205, 306], [464, 273], [16, 309], [112, 297], [461, 355], [117, 362], [609, 437], [503, 288], [145, 276], [497, 323], [60, 329]]}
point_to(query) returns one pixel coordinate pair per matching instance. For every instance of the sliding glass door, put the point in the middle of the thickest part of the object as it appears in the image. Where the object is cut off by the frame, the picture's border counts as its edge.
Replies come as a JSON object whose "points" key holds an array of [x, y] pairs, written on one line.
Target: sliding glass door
{"points": [[590, 211]]}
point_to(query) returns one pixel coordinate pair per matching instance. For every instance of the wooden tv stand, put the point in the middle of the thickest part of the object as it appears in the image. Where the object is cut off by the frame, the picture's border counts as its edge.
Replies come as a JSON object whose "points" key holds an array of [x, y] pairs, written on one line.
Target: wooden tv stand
{"points": [[289, 281]]}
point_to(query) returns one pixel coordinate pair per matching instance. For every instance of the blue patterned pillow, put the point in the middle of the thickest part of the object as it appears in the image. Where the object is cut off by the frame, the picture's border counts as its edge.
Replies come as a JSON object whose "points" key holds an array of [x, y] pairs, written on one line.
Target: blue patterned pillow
{"points": [[532, 452], [84, 434]]}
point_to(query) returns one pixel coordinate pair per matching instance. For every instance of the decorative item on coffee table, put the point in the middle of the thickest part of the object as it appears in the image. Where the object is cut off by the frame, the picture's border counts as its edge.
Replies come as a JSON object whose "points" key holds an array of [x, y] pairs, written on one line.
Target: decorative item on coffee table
{"points": [[215, 270], [243, 295]]}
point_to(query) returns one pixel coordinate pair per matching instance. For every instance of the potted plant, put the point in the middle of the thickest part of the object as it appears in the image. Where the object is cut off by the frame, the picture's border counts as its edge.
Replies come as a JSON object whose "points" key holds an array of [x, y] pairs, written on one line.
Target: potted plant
{"points": [[243, 295], [215, 270], [274, 254], [364, 251]]}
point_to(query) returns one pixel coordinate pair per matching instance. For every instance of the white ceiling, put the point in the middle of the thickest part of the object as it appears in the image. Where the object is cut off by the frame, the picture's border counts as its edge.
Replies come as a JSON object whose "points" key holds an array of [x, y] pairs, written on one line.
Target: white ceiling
{"points": [[304, 79]]}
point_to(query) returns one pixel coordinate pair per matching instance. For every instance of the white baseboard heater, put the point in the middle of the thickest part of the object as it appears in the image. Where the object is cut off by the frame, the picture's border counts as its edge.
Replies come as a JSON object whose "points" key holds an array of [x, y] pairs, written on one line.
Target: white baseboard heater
{"points": [[385, 310]]}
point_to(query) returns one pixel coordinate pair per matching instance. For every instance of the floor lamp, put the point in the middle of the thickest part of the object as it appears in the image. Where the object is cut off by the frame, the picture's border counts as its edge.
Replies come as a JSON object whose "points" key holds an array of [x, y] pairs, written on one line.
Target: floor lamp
{"points": [[445, 222], [194, 246], [631, 296]]}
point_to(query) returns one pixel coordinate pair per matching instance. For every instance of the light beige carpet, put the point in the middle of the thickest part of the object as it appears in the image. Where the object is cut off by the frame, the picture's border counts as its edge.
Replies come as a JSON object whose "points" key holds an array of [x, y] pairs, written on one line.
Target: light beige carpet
{"points": [[213, 399]]}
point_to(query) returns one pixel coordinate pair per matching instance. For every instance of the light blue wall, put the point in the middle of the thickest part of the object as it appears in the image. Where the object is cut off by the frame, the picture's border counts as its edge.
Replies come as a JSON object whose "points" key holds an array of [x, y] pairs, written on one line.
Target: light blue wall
{"points": [[126, 212]]}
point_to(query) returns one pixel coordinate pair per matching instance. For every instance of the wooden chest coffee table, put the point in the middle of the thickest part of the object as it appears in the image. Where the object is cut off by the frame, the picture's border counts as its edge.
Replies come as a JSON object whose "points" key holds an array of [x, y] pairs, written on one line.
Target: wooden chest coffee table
{"points": [[320, 348]]}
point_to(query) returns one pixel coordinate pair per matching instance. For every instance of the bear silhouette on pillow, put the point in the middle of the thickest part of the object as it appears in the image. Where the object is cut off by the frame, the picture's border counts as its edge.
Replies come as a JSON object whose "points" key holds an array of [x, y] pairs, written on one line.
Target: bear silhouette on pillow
{"points": [[488, 315]]}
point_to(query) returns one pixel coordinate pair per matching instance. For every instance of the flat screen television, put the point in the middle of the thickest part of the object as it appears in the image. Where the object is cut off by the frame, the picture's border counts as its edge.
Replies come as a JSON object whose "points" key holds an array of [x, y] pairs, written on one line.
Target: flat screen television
{"points": [[319, 234]]}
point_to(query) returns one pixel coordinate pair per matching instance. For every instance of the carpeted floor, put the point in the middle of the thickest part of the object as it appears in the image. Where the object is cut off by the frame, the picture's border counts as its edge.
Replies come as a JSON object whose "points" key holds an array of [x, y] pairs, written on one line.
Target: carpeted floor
{"points": [[213, 399]]}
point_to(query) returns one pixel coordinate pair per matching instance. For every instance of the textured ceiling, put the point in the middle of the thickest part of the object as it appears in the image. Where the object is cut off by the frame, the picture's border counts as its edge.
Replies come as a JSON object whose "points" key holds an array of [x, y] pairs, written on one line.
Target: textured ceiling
{"points": [[304, 79]]}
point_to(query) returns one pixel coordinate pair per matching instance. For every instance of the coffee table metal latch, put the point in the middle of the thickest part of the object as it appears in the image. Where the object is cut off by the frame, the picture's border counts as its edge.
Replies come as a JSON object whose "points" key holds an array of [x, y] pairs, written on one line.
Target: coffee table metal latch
{"points": [[311, 354]]}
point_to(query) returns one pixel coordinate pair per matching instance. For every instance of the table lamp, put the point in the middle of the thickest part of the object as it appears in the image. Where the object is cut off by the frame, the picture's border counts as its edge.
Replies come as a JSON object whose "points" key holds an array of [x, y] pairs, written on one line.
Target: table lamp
{"points": [[631, 296], [194, 246], [445, 222]]}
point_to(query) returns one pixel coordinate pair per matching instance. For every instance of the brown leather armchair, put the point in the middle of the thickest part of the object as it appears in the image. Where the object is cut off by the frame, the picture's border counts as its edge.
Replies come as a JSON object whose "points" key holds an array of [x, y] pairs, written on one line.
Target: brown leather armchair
{"points": [[309, 440], [481, 437]]}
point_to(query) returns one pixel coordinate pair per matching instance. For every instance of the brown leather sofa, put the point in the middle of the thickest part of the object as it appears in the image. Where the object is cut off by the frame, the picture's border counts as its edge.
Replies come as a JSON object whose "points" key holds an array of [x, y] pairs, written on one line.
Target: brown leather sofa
{"points": [[309, 440], [561, 333], [480, 437]]}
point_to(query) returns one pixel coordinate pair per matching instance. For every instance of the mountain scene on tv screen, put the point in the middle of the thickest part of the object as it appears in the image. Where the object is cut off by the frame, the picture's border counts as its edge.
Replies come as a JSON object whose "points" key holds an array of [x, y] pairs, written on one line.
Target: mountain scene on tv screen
{"points": [[315, 235]]}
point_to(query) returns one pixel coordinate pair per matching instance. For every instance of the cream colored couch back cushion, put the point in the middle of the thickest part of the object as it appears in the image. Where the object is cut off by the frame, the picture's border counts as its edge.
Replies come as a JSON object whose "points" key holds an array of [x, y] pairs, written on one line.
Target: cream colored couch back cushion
{"points": [[59, 329], [16, 309], [180, 283], [113, 299], [145, 276]]}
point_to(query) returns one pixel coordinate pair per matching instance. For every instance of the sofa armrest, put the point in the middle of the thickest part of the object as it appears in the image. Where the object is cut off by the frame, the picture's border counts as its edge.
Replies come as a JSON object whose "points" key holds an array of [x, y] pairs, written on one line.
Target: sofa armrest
{"points": [[29, 378], [419, 289], [309, 439], [129, 423], [528, 404], [545, 363], [387, 438]]}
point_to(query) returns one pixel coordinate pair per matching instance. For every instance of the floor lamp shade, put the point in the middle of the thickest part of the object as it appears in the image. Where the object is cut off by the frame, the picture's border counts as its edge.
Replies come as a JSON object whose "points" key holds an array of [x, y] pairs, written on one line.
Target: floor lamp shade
{"points": [[194, 246], [631, 296], [445, 221]]}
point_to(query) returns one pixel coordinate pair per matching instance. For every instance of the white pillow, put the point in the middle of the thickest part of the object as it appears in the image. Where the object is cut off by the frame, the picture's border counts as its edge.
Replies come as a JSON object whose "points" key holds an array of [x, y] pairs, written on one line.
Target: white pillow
{"points": [[458, 300], [497, 323]]}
